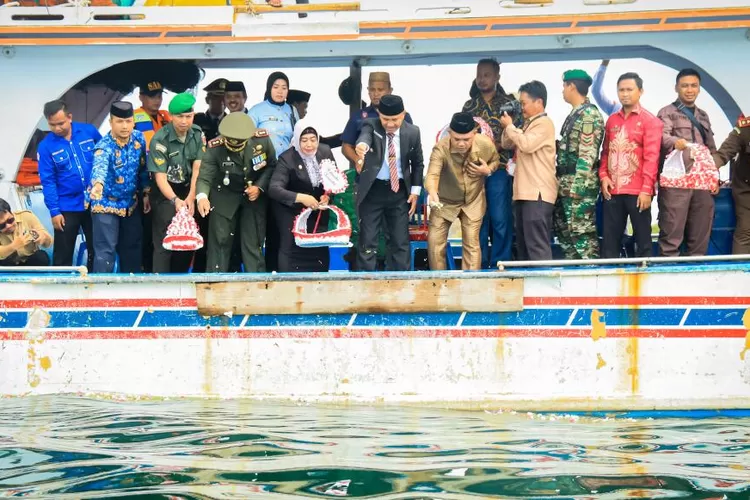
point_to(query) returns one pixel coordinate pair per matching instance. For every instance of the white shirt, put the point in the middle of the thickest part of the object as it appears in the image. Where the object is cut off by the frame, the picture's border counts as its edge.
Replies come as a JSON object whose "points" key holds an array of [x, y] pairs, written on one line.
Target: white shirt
{"points": [[384, 174]]}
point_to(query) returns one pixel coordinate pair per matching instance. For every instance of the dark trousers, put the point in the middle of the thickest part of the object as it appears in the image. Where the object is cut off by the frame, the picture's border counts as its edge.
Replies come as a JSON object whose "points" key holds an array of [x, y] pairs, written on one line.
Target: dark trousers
{"points": [[384, 208], [121, 236], [685, 215], [534, 229], [147, 241], [273, 239], [36, 259], [615, 213], [65, 240], [497, 225]]}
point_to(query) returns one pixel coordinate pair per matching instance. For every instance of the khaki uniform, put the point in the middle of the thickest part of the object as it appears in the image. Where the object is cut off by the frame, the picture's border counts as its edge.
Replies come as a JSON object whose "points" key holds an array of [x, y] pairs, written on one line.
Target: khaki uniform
{"points": [[738, 144], [168, 155], [25, 221], [224, 176], [462, 196]]}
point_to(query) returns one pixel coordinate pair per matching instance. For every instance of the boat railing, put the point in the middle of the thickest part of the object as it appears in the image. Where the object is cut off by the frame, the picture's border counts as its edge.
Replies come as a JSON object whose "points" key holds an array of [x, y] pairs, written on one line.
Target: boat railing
{"points": [[628, 261], [80, 270]]}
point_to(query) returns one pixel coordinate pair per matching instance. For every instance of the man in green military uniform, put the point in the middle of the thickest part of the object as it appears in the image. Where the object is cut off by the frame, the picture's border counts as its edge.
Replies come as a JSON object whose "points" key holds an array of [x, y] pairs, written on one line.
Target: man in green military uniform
{"points": [[577, 165], [233, 181], [175, 155]]}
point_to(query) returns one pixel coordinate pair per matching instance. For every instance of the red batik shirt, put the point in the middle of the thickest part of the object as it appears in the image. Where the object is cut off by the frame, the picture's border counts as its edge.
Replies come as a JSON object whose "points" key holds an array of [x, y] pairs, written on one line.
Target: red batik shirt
{"points": [[630, 156]]}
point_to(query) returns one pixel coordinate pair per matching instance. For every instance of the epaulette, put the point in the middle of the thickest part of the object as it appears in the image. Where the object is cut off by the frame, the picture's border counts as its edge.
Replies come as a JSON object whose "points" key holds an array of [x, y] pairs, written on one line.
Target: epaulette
{"points": [[261, 132], [743, 122], [215, 142]]}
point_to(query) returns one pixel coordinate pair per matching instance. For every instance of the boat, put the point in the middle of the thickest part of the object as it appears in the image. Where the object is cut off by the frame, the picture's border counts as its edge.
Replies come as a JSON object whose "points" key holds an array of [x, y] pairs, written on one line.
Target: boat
{"points": [[625, 334]]}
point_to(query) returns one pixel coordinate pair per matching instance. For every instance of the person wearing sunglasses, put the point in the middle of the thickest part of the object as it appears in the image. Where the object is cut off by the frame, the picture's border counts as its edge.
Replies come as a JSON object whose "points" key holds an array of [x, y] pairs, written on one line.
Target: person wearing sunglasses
{"points": [[22, 238]]}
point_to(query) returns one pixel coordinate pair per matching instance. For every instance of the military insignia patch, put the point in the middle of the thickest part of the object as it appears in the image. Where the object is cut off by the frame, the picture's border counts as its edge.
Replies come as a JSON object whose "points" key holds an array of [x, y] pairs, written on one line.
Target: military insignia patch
{"points": [[743, 122], [159, 161], [258, 147], [261, 132], [160, 147], [216, 142], [588, 128], [137, 146], [259, 161], [98, 152]]}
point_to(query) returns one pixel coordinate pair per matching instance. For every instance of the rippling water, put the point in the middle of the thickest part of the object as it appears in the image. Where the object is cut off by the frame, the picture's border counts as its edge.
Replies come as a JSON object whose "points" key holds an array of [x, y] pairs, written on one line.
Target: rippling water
{"points": [[64, 447]]}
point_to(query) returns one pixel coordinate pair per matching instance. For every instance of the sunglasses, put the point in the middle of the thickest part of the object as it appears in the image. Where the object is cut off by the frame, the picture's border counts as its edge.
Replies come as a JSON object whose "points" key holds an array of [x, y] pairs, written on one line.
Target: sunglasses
{"points": [[8, 222]]}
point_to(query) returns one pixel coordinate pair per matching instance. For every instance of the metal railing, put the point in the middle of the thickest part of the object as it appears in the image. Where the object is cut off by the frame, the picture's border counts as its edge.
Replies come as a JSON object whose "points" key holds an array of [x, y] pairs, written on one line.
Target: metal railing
{"points": [[81, 270], [639, 261]]}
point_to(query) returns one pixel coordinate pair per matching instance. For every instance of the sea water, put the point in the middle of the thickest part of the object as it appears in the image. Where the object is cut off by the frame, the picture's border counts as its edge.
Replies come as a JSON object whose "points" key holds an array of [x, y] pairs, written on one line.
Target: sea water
{"points": [[66, 447]]}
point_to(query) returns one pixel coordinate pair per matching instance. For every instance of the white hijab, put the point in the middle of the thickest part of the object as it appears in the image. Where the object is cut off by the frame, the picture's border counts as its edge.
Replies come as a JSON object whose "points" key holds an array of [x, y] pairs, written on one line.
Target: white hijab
{"points": [[310, 161]]}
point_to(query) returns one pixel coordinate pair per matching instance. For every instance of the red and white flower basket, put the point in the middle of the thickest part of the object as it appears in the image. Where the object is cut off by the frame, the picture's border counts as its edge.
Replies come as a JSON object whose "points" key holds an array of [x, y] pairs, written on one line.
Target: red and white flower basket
{"points": [[334, 179], [183, 234], [702, 175], [334, 237], [484, 129]]}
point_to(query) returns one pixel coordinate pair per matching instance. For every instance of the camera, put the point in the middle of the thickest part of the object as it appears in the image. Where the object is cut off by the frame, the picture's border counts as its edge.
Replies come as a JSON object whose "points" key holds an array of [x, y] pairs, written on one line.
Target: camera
{"points": [[513, 108]]}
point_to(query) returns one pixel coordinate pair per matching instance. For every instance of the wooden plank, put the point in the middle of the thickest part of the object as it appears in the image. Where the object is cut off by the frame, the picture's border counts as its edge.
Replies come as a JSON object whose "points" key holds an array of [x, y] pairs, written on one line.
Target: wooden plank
{"points": [[361, 296]]}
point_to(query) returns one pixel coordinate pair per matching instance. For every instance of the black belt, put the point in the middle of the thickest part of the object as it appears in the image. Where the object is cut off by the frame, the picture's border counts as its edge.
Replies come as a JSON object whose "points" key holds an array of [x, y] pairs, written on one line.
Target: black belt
{"points": [[388, 182]]}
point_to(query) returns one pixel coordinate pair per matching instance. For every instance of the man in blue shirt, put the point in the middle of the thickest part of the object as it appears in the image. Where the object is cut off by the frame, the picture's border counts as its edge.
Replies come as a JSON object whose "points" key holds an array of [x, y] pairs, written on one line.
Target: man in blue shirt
{"points": [[65, 159], [118, 179]]}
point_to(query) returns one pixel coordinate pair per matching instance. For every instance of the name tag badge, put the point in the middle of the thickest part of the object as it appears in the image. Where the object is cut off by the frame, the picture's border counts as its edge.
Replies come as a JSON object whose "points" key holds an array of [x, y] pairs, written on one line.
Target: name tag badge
{"points": [[175, 153]]}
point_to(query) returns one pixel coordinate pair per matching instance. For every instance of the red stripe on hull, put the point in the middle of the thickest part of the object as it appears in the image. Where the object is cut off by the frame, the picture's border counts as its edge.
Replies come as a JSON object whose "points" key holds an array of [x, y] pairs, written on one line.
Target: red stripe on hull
{"points": [[374, 333], [527, 301]]}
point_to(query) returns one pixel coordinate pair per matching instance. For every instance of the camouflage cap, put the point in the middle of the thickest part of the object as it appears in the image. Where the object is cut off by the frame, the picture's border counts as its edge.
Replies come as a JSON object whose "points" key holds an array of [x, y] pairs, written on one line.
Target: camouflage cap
{"points": [[237, 125]]}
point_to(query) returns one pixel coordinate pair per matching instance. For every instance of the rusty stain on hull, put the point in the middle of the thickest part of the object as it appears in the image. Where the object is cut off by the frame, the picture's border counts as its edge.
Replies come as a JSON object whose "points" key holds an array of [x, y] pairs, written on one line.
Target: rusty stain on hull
{"points": [[600, 363], [633, 289], [598, 325], [208, 364], [360, 296], [746, 324]]}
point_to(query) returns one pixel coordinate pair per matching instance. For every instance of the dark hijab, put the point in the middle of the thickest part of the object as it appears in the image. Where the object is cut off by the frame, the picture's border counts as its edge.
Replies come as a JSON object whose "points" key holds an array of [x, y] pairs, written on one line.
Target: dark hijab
{"points": [[276, 75]]}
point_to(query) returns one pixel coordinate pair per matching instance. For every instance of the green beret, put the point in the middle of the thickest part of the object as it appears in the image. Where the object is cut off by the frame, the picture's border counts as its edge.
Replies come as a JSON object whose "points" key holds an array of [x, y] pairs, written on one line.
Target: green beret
{"points": [[181, 103], [576, 74]]}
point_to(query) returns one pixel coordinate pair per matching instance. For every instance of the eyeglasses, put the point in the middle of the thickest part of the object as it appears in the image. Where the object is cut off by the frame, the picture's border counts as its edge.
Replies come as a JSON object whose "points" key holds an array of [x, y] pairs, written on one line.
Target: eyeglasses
{"points": [[8, 222]]}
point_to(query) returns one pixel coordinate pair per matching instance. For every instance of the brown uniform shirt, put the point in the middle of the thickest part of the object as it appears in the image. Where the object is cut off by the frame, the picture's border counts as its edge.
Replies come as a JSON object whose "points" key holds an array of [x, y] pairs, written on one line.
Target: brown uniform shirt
{"points": [[535, 159], [737, 144], [447, 175], [678, 126], [25, 221]]}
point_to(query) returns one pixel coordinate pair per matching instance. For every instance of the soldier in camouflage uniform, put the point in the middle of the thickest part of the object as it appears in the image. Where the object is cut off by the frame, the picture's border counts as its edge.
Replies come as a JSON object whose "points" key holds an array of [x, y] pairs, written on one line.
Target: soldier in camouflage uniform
{"points": [[577, 165]]}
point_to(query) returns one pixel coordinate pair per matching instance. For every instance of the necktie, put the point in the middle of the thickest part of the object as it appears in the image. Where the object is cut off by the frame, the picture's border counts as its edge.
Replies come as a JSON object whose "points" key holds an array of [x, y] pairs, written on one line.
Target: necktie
{"points": [[392, 163]]}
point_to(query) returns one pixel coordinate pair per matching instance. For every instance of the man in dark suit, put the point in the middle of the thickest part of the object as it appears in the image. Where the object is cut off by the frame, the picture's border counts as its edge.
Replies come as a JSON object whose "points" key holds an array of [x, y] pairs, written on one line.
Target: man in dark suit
{"points": [[390, 169]]}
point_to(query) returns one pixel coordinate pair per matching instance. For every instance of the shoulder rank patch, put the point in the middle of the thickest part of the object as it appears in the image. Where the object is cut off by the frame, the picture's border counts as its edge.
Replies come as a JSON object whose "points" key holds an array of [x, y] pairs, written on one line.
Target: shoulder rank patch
{"points": [[743, 122], [261, 132], [159, 161], [588, 128], [160, 147], [215, 142]]}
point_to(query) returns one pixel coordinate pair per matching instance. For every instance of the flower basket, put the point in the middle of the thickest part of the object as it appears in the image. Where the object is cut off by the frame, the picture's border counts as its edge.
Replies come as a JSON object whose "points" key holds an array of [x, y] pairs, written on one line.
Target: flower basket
{"points": [[333, 237], [703, 173], [183, 234]]}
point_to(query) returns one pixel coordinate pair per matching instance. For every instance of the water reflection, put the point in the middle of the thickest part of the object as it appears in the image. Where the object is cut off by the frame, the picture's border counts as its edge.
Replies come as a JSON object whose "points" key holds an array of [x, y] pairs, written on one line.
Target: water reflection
{"points": [[53, 447]]}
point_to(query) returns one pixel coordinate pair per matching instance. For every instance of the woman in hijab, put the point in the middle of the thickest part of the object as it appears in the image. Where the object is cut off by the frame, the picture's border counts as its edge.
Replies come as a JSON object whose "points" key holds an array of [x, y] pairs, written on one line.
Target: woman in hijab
{"points": [[274, 114], [278, 117], [297, 183]]}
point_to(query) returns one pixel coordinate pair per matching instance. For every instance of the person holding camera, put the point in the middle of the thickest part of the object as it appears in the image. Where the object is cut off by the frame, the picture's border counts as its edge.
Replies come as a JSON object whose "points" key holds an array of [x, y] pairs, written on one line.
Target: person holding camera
{"points": [[535, 186], [488, 102], [21, 238]]}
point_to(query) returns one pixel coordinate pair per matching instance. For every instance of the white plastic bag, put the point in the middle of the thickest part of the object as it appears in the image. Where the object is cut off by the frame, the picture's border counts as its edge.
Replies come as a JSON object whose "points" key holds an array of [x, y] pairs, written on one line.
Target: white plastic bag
{"points": [[674, 166]]}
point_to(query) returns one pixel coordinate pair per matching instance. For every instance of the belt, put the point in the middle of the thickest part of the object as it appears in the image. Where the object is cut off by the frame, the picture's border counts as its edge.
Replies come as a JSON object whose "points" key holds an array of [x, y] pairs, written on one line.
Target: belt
{"points": [[388, 182]]}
